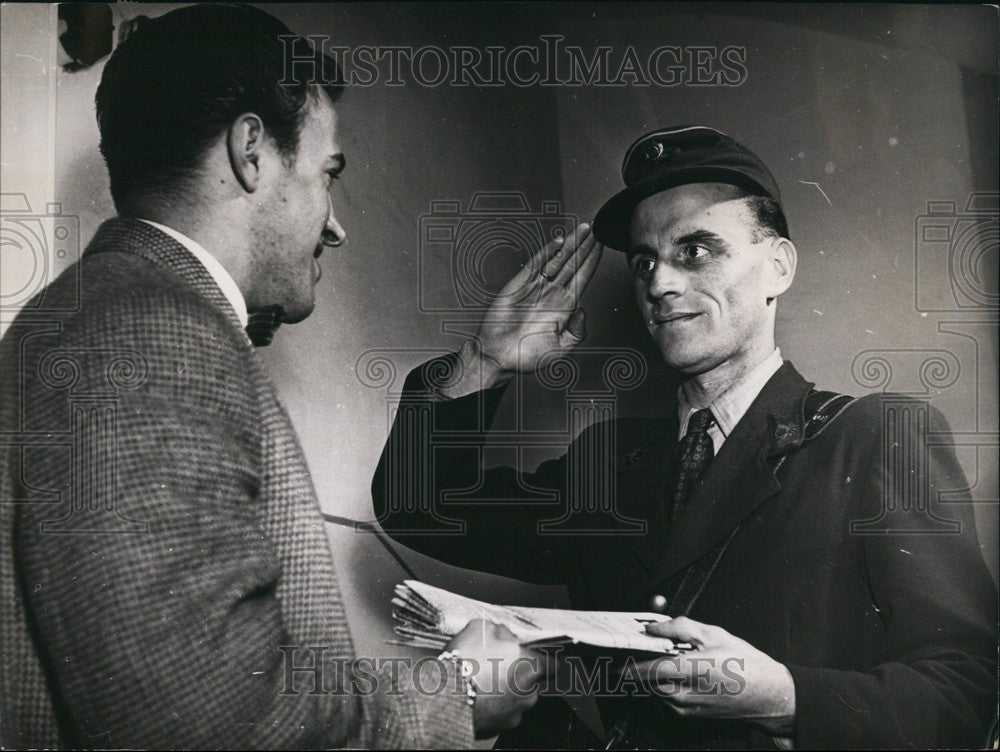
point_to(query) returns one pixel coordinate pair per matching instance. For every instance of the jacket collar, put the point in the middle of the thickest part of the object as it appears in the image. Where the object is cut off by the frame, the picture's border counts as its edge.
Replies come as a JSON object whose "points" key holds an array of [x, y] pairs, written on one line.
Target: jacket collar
{"points": [[730, 406], [738, 481], [142, 239], [742, 477]]}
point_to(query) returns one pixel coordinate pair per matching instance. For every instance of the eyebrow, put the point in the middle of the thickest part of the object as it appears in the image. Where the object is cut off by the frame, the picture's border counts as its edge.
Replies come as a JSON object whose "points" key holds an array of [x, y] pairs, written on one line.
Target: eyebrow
{"points": [[341, 163], [642, 248], [700, 237], [695, 237]]}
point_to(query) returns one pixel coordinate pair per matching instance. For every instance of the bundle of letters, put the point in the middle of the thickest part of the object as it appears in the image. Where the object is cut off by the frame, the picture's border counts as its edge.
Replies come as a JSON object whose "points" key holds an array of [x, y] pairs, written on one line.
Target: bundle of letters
{"points": [[429, 617]]}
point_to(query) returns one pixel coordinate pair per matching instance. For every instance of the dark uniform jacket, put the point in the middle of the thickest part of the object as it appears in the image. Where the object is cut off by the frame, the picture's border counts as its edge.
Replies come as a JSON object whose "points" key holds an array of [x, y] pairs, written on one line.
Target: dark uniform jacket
{"points": [[162, 538], [842, 562]]}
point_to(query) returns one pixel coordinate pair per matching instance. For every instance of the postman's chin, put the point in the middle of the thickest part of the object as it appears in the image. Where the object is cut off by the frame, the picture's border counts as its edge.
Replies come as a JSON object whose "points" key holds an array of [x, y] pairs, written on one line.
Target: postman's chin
{"points": [[679, 353]]}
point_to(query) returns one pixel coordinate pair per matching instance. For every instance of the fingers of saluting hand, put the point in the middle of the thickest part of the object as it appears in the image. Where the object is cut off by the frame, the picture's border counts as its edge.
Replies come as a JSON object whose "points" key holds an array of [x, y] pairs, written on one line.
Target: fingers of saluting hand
{"points": [[565, 261], [538, 263], [587, 267]]}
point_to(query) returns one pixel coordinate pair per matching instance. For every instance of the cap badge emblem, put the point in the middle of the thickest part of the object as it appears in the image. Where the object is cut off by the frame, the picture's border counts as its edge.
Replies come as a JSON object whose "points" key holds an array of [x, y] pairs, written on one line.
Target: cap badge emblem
{"points": [[654, 151]]}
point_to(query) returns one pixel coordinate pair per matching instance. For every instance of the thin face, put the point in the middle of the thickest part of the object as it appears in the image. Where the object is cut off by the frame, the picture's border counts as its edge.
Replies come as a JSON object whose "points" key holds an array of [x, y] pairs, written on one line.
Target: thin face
{"points": [[298, 219], [701, 277]]}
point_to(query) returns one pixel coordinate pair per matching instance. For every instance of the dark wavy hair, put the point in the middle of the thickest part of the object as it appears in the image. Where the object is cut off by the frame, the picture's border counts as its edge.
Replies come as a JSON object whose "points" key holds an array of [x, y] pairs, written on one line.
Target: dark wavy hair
{"points": [[179, 81], [769, 215]]}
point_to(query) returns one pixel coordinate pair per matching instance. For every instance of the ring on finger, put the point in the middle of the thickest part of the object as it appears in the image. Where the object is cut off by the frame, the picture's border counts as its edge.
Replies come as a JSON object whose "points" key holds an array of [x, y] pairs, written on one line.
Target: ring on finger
{"points": [[544, 276]]}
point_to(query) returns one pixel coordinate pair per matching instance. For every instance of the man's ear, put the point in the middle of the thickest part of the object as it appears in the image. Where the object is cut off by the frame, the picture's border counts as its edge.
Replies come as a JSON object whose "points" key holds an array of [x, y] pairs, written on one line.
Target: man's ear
{"points": [[781, 263], [245, 141]]}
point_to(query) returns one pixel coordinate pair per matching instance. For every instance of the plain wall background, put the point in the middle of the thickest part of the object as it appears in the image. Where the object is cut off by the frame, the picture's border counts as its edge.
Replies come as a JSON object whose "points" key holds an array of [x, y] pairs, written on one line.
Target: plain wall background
{"points": [[886, 108]]}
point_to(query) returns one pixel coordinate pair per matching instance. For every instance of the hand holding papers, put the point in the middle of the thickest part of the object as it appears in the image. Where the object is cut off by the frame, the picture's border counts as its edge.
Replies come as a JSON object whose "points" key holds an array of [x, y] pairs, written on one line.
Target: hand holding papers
{"points": [[429, 617]]}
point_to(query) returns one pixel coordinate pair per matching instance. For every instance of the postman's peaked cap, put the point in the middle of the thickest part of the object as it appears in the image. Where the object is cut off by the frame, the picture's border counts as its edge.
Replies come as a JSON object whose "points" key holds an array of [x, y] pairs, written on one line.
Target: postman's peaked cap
{"points": [[669, 157]]}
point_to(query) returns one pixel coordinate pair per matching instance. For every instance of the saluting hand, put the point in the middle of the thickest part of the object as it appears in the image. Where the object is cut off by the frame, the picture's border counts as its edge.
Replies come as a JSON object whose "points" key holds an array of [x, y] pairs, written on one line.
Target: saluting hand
{"points": [[535, 313]]}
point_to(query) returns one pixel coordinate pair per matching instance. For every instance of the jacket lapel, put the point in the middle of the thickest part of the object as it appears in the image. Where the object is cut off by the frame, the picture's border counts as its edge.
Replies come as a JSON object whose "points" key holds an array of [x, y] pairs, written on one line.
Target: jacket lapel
{"points": [[142, 239], [741, 477]]}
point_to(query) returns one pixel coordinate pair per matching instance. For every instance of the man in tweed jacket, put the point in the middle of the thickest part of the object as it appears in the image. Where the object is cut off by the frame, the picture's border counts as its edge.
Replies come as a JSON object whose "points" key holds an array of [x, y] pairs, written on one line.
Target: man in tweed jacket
{"points": [[166, 577]]}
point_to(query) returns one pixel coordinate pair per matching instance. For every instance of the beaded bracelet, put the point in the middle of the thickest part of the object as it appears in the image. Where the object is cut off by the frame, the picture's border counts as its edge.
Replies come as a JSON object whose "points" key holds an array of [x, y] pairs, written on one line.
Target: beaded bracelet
{"points": [[464, 671]]}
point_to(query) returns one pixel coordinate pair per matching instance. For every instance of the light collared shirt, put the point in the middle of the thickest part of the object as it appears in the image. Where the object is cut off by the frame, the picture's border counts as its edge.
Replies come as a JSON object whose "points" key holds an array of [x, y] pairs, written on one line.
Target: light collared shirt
{"points": [[214, 268], [730, 406]]}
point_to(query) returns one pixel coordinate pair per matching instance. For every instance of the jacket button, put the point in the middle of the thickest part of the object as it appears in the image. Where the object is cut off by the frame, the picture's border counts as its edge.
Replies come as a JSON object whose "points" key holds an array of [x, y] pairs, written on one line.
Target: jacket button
{"points": [[658, 603]]}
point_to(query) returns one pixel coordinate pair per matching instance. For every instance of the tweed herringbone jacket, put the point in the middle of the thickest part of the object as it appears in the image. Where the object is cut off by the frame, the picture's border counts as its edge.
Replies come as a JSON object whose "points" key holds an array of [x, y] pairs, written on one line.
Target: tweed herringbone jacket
{"points": [[164, 565]]}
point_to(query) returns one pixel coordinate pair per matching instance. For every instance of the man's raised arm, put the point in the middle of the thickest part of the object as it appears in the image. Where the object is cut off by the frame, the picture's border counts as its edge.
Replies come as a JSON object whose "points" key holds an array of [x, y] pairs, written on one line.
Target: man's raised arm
{"points": [[536, 313]]}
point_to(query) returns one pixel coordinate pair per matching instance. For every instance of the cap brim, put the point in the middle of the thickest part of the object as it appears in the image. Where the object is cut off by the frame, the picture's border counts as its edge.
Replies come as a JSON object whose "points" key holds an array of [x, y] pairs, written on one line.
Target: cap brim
{"points": [[612, 225]]}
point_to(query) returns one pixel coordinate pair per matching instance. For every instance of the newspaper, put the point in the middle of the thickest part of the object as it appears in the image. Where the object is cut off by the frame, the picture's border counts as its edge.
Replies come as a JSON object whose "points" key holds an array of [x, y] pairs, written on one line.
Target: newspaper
{"points": [[429, 617]]}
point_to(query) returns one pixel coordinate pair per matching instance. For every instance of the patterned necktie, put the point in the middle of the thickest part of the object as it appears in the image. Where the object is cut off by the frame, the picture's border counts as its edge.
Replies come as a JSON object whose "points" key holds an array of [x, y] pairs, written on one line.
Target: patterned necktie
{"points": [[694, 452]]}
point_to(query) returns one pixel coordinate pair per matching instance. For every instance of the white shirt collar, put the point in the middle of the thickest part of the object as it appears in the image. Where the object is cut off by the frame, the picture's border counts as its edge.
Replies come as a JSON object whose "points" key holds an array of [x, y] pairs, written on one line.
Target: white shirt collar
{"points": [[214, 268], [730, 406]]}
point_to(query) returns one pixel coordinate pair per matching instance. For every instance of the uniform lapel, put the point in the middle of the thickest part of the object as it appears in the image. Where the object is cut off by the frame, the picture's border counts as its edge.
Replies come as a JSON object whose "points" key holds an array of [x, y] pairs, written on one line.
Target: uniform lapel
{"points": [[142, 239], [741, 477]]}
